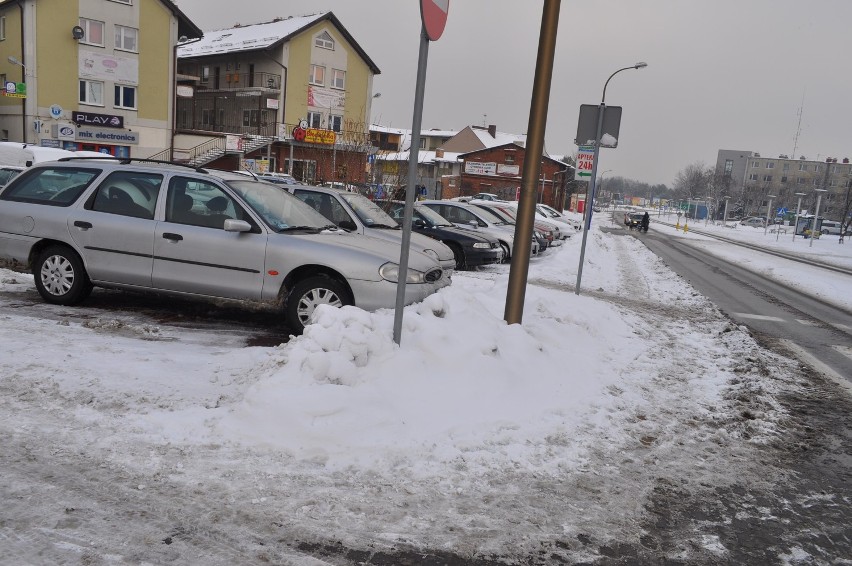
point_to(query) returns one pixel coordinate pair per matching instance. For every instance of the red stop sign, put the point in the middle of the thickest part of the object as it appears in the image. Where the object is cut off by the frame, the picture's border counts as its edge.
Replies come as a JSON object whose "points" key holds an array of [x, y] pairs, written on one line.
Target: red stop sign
{"points": [[434, 16]]}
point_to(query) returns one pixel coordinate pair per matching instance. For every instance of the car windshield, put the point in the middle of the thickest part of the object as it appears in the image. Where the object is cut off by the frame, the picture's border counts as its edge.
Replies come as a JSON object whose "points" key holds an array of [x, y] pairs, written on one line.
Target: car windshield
{"points": [[507, 214], [490, 217], [547, 211], [279, 209], [369, 212], [431, 217]]}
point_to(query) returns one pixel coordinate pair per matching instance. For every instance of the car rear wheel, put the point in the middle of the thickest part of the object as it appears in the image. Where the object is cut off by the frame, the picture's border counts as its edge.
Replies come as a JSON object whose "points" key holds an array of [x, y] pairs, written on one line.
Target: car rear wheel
{"points": [[60, 277], [310, 293]]}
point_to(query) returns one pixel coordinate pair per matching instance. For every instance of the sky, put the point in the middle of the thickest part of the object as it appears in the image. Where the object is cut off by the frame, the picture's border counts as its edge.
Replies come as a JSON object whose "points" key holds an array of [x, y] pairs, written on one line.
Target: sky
{"points": [[765, 75], [471, 436]]}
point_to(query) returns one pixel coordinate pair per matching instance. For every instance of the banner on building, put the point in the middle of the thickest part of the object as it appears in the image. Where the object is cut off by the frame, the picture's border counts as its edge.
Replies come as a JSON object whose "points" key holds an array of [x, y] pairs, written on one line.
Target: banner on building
{"points": [[480, 168], [108, 68], [326, 98]]}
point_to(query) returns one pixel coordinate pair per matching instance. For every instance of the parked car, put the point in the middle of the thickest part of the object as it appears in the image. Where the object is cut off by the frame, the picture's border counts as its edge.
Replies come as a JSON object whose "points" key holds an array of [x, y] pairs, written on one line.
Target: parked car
{"points": [[354, 212], [756, 221], [554, 215], [470, 249], [186, 231], [551, 232], [486, 196], [543, 223], [833, 227], [468, 216]]}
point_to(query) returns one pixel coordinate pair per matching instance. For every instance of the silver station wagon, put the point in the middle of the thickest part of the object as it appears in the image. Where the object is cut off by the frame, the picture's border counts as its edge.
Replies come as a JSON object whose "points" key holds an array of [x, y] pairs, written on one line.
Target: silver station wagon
{"points": [[169, 228]]}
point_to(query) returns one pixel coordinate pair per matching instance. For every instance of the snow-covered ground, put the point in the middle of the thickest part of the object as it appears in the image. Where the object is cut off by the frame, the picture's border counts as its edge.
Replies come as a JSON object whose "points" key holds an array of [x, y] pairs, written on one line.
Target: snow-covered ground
{"points": [[472, 437]]}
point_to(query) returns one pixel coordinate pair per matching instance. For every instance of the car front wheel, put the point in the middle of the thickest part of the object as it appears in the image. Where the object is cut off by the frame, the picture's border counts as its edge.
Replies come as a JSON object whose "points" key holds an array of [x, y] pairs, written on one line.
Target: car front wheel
{"points": [[60, 276], [310, 293]]}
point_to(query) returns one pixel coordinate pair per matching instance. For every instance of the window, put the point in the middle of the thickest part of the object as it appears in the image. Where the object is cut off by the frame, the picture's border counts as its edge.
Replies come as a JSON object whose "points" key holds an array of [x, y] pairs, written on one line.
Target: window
{"points": [[818, 168], [206, 117], [314, 119], [2, 28], [509, 159], [250, 118], [205, 73], [767, 178], [729, 167], [128, 194], [784, 179], [126, 38], [125, 97], [801, 181], [93, 32], [317, 75], [338, 79], [803, 166], [786, 167], [200, 203], [52, 186], [336, 123], [752, 177], [91, 92], [770, 165], [324, 41], [755, 164]]}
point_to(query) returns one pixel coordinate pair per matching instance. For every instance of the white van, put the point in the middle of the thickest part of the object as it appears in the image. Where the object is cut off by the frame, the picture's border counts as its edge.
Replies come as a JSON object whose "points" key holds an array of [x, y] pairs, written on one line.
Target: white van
{"points": [[832, 227], [26, 154]]}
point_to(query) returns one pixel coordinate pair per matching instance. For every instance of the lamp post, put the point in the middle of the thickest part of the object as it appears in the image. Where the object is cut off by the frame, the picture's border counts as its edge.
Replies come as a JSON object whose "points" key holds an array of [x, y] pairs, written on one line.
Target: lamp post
{"points": [[768, 212], [816, 215], [707, 216], [599, 133], [798, 210], [725, 214]]}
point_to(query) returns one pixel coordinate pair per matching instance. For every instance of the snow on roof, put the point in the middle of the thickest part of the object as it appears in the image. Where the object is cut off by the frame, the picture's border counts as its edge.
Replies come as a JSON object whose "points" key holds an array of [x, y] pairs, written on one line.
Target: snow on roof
{"points": [[424, 156], [248, 37], [500, 138], [388, 130]]}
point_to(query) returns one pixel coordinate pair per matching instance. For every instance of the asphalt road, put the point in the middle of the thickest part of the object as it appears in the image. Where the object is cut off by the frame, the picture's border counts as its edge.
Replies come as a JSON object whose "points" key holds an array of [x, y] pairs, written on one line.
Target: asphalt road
{"points": [[817, 333]]}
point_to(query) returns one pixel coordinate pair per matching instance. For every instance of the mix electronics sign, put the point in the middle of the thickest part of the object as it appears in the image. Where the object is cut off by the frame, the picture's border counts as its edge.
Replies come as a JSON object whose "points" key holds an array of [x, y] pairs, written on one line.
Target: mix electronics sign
{"points": [[98, 120]]}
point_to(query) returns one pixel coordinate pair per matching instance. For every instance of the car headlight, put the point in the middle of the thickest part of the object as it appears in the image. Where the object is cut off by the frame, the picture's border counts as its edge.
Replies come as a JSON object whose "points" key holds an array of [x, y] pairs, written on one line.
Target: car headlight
{"points": [[390, 272], [482, 245]]}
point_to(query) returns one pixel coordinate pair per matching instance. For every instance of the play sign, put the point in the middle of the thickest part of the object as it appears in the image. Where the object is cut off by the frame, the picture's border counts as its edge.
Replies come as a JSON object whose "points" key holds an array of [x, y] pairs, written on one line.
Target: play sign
{"points": [[434, 16]]}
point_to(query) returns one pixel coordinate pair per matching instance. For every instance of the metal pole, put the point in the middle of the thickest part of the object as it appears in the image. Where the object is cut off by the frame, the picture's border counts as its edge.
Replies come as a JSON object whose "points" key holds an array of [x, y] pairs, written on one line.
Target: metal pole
{"points": [[798, 210], [725, 214], [588, 218], [413, 158], [816, 217], [520, 266], [768, 212]]}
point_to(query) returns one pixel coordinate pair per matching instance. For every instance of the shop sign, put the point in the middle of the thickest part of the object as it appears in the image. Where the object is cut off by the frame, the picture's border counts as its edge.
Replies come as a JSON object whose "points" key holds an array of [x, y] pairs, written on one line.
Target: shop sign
{"points": [[508, 170], [315, 135], [66, 132], [50, 143], [480, 168], [233, 143], [15, 90], [124, 137], [93, 119]]}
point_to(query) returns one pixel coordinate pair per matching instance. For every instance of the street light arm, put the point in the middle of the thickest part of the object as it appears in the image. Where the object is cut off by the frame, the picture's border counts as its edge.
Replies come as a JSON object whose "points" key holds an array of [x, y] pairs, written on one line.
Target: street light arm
{"points": [[639, 65]]}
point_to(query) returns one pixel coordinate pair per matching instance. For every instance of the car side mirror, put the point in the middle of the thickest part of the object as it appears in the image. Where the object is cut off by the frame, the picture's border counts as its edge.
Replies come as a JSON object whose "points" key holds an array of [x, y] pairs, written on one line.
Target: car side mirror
{"points": [[418, 223], [232, 225], [347, 225], [474, 223]]}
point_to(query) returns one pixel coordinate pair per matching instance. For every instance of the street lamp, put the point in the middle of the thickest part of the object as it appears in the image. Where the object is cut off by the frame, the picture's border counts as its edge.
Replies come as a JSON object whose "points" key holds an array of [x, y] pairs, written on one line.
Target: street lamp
{"points": [[598, 135], [816, 215], [798, 209], [725, 214], [768, 212]]}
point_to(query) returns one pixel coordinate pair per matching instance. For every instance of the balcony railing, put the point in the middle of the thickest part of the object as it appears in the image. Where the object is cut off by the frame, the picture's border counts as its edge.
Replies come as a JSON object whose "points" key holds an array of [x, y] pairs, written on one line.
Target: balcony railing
{"points": [[241, 81]]}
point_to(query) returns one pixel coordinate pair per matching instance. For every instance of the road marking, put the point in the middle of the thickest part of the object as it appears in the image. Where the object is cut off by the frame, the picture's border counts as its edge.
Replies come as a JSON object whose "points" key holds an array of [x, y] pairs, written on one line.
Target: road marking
{"points": [[807, 322], [819, 366], [758, 316], [845, 350]]}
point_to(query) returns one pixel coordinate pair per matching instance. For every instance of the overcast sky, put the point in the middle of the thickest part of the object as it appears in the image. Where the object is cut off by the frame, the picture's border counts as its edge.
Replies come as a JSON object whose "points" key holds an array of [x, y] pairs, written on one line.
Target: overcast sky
{"points": [[725, 74]]}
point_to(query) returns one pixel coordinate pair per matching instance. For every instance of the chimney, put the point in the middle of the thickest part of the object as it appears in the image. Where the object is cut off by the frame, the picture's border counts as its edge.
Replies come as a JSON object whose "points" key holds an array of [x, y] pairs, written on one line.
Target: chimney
{"points": [[492, 129]]}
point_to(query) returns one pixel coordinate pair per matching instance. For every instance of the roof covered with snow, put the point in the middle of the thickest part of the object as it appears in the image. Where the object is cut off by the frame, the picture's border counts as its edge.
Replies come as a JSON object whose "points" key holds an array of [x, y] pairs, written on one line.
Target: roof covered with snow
{"points": [[499, 138], [265, 35]]}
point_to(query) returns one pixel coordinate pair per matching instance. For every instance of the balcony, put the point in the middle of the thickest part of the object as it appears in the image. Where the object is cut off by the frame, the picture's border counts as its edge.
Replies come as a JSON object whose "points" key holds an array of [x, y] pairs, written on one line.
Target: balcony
{"points": [[262, 82]]}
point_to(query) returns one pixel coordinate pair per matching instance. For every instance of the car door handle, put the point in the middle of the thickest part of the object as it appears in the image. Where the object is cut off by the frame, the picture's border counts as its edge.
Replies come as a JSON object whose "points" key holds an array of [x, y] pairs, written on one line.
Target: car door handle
{"points": [[83, 225], [172, 236]]}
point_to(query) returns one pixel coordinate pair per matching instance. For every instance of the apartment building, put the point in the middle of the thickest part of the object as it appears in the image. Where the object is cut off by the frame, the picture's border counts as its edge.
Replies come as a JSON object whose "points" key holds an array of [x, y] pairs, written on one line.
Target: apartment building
{"points": [[94, 75], [289, 95], [754, 177]]}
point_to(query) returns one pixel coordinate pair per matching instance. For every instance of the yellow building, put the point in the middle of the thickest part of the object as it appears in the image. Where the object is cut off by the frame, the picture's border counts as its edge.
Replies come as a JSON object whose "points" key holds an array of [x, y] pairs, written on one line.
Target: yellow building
{"points": [[243, 90], [90, 74]]}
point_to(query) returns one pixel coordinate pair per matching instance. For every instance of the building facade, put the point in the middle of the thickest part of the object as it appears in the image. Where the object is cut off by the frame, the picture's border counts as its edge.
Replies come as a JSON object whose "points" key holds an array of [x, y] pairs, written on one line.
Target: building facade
{"points": [[752, 178], [291, 95], [92, 75]]}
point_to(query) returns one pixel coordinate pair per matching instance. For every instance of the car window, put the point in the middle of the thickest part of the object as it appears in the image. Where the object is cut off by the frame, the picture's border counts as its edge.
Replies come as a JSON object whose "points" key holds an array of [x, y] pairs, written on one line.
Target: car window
{"points": [[7, 175], [198, 202], [279, 209], [54, 186], [325, 204], [369, 212], [128, 193], [430, 216]]}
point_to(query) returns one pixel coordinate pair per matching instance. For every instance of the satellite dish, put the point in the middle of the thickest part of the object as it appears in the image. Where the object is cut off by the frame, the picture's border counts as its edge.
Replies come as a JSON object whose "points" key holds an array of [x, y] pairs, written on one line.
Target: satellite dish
{"points": [[77, 32]]}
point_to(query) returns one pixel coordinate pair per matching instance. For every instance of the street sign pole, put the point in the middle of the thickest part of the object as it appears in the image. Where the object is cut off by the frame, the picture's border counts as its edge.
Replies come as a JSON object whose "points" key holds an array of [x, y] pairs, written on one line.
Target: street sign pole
{"points": [[433, 16], [589, 205]]}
